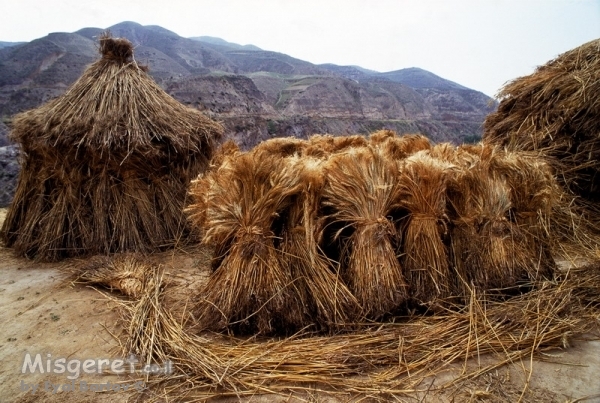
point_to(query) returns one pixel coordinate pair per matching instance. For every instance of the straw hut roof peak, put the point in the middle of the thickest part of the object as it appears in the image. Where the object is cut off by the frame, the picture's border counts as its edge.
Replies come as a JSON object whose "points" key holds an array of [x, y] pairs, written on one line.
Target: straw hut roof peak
{"points": [[116, 108], [119, 49]]}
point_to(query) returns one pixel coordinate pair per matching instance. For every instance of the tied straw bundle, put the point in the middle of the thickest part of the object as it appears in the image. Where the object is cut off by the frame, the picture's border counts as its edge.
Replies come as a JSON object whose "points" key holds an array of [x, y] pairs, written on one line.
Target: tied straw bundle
{"points": [[497, 241], [244, 200], [422, 190], [361, 196], [323, 146], [324, 295], [398, 147]]}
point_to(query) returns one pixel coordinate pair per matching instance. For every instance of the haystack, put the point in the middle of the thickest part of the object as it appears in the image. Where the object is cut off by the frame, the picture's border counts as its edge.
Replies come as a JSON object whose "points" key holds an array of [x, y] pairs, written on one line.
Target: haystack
{"points": [[327, 301], [499, 205], [241, 206], [556, 111], [422, 186], [360, 197], [106, 165]]}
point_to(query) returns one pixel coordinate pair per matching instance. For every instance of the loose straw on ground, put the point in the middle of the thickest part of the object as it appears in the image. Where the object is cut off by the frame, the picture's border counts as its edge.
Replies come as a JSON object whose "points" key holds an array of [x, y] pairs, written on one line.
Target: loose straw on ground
{"points": [[380, 360]]}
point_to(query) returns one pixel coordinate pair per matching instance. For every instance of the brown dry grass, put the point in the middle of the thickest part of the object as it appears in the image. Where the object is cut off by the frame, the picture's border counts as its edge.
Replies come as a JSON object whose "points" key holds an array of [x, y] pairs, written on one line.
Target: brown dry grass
{"points": [[239, 204], [325, 297], [377, 361], [422, 193], [106, 166], [500, 208], [555, 111], [389, 222], [361, 194]]}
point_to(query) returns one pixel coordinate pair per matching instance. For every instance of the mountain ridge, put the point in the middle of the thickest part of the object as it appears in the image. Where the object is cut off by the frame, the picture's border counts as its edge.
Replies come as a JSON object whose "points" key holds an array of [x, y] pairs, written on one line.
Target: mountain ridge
{"points": [[256, 94], [223, 43], [33, 72]]}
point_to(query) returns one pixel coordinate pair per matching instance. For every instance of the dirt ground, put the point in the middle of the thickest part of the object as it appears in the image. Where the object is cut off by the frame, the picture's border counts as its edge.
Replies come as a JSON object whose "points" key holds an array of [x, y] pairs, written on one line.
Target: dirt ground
{"points": [[45, 313]]}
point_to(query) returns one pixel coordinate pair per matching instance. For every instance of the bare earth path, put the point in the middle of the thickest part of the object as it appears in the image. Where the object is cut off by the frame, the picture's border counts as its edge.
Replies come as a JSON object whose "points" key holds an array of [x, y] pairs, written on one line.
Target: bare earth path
{"points": [[43, 313]]}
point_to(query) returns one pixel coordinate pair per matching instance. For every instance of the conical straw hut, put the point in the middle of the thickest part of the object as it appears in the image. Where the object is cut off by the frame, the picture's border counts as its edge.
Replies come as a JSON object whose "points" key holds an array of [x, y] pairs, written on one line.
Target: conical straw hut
{"points": [[106, 166]]}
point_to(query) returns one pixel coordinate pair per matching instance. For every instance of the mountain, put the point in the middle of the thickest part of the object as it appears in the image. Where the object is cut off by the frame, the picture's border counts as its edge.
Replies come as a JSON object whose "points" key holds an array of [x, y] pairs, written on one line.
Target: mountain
{"points": [[256, 94], [418, 78], [224, 44], [3, 135], [414, 99], [9, 44]]}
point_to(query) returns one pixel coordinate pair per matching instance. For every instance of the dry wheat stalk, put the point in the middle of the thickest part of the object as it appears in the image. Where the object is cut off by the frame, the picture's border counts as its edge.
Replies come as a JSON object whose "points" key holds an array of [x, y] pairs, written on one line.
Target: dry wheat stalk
{"points": [[554, 111], [106, 165], [422, 183], [361, 194]]}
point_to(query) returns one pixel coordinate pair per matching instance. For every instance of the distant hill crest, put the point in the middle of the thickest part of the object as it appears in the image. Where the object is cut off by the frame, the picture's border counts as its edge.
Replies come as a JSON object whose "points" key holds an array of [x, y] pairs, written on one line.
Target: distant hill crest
{"points": [[256, 93], [221, 42]]}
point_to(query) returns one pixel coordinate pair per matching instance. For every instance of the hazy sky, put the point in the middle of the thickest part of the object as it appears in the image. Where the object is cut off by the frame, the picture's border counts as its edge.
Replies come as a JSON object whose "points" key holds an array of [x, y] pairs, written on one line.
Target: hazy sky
{"points": [[477, 43]]}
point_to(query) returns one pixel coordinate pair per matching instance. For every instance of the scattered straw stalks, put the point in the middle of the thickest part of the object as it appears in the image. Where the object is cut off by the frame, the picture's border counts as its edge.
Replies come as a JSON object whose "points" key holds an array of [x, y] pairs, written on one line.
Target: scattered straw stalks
{"points": [[380, 361], [126, 273]]}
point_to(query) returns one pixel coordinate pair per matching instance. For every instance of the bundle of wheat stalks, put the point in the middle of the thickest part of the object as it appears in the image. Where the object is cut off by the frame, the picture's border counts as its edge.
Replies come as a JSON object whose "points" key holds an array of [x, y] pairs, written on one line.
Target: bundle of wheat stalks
{"points": [[499, 207], [106, 166], [329, 232], [123, 272]]}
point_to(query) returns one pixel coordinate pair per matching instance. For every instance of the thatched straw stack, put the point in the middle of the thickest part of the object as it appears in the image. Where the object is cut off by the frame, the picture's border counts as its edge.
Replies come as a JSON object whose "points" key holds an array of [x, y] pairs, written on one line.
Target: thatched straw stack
{"points": [[106, 166], [556, 111], [327, 301], [241, 205], [361, 196], [422, 183], [399, 147], [499, 206]]}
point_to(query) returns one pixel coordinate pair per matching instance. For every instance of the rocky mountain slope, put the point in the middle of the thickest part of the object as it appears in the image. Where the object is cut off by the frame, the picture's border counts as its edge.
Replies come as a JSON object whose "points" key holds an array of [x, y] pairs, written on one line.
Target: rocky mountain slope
{"points": [[256, 94]]}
